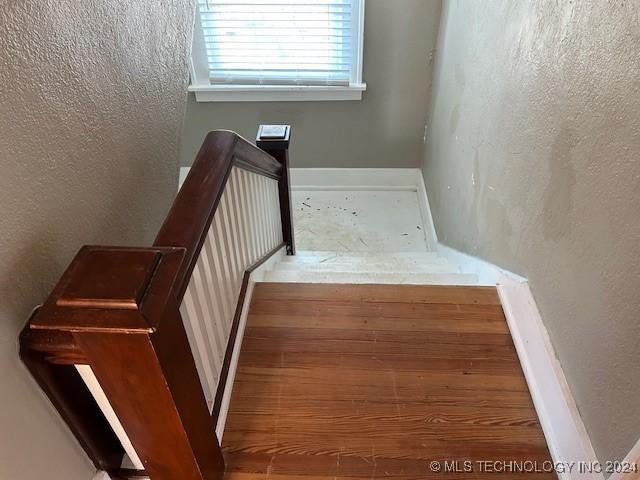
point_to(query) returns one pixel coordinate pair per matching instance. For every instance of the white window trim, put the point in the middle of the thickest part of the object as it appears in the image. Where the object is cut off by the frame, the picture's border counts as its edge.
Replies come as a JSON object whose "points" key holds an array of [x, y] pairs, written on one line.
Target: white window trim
{"points": [[275, 93], [205, 92]]}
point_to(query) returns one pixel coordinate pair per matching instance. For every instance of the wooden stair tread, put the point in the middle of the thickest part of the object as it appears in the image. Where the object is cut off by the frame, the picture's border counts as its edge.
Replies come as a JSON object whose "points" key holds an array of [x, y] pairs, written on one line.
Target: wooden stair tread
{"points": [[376, 381], [431, 294]]}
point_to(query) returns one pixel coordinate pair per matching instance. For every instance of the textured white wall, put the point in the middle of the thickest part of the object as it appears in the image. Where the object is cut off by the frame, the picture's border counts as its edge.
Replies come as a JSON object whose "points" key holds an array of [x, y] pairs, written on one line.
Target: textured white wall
{"points": [[92, 97], [533, 163]]}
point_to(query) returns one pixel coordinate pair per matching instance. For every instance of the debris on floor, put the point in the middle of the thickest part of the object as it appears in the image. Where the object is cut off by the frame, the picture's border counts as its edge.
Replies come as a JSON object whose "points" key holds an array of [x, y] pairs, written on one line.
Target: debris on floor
{"points": [[360, 221]]}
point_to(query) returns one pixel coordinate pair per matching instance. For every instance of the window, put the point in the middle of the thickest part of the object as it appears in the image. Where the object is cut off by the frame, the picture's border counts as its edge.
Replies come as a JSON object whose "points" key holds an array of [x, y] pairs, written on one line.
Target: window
{"points": [[249, 50]]}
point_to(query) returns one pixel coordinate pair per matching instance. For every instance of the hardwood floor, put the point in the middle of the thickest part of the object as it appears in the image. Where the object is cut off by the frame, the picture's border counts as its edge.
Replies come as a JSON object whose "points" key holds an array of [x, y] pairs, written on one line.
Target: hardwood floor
{"points": [[378, 381]]}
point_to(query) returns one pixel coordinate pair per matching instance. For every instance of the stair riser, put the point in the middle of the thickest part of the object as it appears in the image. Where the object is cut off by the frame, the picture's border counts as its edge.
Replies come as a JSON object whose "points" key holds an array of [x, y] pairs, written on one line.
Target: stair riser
{"points": [[310, 254], [366, 268], [361, 261], [390, 278]]}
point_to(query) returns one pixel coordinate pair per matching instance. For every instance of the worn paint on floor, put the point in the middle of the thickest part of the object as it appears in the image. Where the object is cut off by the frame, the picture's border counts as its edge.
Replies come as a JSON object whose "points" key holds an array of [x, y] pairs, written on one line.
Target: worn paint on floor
{"points": [[358, 221]]}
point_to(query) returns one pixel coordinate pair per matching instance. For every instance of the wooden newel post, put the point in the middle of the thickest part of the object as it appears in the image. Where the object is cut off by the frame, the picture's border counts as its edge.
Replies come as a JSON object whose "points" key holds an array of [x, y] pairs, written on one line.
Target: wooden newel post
{"points": [[274, 139], [119, 305]]}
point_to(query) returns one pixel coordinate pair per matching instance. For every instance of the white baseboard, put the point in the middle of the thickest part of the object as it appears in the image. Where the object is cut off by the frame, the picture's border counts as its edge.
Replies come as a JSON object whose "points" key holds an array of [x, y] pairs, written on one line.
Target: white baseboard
{"points": [[425, 212], [403, 179], [564, 431]]}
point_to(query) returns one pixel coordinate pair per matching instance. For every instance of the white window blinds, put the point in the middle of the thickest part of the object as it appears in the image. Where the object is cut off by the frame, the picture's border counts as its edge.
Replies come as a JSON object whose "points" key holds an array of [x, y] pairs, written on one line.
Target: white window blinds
{"points": [[281, 42]]}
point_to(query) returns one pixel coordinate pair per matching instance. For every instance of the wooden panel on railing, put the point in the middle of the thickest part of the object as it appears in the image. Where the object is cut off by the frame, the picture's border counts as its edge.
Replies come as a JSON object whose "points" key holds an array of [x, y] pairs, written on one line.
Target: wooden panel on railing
{"points": [[143, 379], [245, 227]]}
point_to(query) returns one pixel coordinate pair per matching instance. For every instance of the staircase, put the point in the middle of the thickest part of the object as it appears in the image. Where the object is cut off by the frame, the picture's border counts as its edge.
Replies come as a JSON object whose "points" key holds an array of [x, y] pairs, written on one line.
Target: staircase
{"points": [[410, 268], [367, 354]]}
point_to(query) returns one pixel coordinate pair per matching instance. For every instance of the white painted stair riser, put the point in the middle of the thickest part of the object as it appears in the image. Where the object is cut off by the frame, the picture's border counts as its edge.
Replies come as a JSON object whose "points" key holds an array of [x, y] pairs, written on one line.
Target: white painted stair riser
{"points": [[366, 268], [368, 261], [319, 254], [363, 278]]}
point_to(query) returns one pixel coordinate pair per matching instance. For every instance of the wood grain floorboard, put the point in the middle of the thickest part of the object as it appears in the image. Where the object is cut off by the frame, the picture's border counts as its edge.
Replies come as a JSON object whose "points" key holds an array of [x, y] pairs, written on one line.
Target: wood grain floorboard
{"points": [[377, 381], [457, 322], [413, 294], [390, 310]]}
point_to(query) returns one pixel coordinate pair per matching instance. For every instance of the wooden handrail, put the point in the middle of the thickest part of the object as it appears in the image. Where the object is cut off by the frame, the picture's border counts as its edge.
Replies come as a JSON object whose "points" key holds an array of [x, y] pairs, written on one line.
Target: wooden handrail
{"points": [[198, 199], [116, 310]]}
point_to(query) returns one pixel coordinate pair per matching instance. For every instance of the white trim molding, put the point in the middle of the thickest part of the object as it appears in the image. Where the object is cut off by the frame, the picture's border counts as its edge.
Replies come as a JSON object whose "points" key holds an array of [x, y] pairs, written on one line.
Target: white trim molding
{"points": [[563, 429], [329, 179], [425, 212], [276, 93], [205, 91]]}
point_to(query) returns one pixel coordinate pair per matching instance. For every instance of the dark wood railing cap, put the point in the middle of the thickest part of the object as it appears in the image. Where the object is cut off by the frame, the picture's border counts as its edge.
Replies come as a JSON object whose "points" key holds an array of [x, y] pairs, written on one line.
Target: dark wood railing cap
{"points": [[112, 289], [97, 283], [273, 137]]}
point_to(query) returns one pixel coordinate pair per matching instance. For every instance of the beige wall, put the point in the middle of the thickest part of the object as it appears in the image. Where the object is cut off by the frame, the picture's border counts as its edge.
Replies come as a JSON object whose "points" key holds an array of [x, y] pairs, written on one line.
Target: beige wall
{"points": [[533, 162], [384, 129], [92, 98]]}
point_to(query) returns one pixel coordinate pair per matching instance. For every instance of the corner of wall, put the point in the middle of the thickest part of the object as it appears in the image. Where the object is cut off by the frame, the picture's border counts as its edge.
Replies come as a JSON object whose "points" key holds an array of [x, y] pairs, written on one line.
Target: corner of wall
{"points": [[563, 428]]}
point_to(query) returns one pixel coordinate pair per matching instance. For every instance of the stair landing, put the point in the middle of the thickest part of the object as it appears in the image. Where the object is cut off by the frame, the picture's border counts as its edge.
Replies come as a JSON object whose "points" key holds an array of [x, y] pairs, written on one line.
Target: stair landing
{"points": [[364, 237], [377, 381], [359, 221]]}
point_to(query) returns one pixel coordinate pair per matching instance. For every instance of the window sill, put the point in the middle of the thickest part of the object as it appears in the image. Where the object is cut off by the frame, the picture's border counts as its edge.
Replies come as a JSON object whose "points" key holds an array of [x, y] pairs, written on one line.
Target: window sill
{"points": [[276, 93]]}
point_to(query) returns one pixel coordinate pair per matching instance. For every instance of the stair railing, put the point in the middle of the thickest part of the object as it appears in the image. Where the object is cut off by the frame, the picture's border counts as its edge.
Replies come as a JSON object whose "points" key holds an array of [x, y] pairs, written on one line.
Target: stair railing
{"points": [[133, 346]]}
